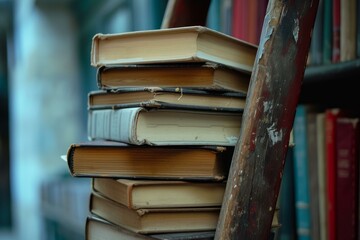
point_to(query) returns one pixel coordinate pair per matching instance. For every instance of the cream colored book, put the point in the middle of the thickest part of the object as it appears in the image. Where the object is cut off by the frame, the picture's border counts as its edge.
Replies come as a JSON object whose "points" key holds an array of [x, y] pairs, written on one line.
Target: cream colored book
{"points": [[158, 97], [167, 126], [183, 44], [158, 220], [136, 194], [187, 75]]}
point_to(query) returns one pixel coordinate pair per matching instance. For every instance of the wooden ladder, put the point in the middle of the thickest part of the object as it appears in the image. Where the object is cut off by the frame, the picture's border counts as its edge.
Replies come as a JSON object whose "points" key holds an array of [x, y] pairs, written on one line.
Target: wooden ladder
{"points": [[259, 157]]}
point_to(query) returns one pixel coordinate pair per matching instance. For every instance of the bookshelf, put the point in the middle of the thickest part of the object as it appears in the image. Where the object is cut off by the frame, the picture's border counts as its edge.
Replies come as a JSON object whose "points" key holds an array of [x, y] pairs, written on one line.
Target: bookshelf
{"points": [[331, 85]]}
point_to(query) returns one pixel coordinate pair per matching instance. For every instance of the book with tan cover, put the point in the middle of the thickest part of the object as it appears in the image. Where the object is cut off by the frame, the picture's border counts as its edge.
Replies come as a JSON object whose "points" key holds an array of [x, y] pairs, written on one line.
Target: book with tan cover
{"points": [[136, 194], [182, 44]]}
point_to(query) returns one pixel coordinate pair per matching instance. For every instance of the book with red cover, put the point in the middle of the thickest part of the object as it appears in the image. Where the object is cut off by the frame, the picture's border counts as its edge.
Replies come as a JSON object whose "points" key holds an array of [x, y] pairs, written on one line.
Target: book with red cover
{"points": [[330, 151], [240, 16], [347, 146]]}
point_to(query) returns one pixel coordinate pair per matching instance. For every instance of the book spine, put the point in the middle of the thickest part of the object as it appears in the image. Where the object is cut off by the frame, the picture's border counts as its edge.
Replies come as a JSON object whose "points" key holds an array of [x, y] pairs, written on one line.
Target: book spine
{"points": [[320, 139], [313, 174], [347, 30], [327, 32], [336, 31], [330, 151], [346, 176], [115, 125], [316, 48], [301, 175], [240, 19], [287, 230]]}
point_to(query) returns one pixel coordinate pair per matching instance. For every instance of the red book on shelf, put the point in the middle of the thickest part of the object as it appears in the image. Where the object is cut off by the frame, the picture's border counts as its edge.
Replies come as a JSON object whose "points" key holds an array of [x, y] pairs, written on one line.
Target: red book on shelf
{"points": [[347, 145], [336, 31], [252, 21], [330, 135], [240, 17]]}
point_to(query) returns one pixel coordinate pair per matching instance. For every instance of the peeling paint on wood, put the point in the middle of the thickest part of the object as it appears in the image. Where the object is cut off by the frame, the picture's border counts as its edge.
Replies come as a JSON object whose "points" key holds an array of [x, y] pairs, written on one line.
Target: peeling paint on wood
{"points": [[259, 155]]}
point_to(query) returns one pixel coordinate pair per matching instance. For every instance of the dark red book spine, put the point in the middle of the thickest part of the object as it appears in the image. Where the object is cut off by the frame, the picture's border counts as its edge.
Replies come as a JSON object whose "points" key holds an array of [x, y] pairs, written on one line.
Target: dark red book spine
{"points": [[347, 144], [330, 135]]}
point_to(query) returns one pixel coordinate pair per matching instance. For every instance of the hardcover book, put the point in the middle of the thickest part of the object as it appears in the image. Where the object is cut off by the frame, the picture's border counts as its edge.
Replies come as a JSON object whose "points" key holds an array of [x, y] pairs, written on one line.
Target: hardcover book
{"points": [[331, 116], [166, 97], [119, 160], [155, 126], [187, 75], [182, 44], [301, 174], [347, 177], [136, 194], [100, 229], [155, 220]]}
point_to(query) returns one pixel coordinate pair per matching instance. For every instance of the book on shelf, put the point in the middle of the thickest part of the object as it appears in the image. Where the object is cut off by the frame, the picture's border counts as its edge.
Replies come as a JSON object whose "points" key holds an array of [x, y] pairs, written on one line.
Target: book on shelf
{"points": [[348, 30], [207, 75], [136, 194], [159, 220], [321, 175], [182, 44], [331, 116], [97, 228], [301, 174], [164, 126], [313, 169], [155, 220], [347, 177], [327, 32], [166, 97], [119, 160], [336, 31]]}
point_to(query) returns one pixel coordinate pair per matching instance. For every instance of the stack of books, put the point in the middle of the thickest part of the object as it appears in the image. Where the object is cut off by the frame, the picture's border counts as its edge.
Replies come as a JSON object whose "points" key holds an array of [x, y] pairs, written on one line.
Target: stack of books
{"points": [[162, 129]]}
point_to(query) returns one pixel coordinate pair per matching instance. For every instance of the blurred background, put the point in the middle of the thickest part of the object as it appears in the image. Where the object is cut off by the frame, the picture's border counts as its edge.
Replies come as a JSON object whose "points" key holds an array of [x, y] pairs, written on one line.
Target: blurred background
{"points": [[45, 76]]}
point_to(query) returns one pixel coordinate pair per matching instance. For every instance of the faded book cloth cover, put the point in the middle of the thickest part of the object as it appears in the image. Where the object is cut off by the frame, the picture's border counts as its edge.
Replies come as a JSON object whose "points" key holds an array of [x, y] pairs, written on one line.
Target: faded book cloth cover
{"points": [[120, 160], [164, 126], [181, 44], [221, 101], [208, 76]]}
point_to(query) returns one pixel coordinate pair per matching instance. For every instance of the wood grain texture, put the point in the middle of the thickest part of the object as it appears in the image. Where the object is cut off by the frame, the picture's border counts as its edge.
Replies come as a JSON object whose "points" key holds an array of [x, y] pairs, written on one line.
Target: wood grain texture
{"points": [[259, 157]]}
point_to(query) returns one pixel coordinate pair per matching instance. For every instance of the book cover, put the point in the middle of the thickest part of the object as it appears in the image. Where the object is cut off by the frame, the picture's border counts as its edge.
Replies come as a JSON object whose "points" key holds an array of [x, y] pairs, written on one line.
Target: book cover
{"points": [[157, 220], [160, 126], [240, 17], [348, 30], [287, 231], [330, 151], [347, 158], [316, 46], [183, 44], [207, 76], [321, 162], [301, 175], [327, 31], [119, 160], [97, 228], [313, 173], [137, 194], [179, 98], [336, 31]]}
